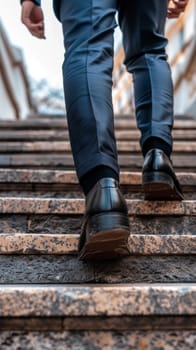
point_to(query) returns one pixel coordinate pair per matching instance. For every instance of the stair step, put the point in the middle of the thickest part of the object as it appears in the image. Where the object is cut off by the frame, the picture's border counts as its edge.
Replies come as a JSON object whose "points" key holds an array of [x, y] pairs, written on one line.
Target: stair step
{"points": [[63, 216], [49, 298], [99, 340], [44, 176], [58, 183], [71, 224], [28, 182], [64, 146], [125, 300], [127, 162], [59, 123], [23, 243], [76, 206], [58, 135], [131, 312], [50, 268], [9, 175], [127, 116]]}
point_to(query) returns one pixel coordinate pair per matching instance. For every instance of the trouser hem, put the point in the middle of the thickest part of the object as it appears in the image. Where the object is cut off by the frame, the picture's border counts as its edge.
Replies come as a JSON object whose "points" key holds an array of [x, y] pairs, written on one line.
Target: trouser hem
{"points": [[97, 160]]}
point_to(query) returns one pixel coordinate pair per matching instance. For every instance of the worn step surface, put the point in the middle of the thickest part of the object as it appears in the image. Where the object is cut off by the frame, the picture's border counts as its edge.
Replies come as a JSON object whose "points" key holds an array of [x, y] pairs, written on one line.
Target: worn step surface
{"points": [[128, 162], [33, 176], [51, 300], [64, 147], [64, 183], [71, 224], [121, 122], [51, 226], [98, 340], [77, 206], [32, 243], [125, 300], [98, 317], [59, 269], [62, 135]]}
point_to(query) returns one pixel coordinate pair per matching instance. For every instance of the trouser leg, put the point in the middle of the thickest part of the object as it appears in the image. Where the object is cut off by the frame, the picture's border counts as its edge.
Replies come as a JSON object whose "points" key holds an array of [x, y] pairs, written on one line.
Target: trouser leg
{"points": [[88, 28], [142, 23]]}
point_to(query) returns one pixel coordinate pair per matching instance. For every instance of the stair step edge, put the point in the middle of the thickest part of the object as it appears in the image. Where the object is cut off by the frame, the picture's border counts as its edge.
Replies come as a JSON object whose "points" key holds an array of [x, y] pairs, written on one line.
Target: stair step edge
{"points": [[77, 206], [97, 300], [64, 146], [69, 177], [65, 244]]}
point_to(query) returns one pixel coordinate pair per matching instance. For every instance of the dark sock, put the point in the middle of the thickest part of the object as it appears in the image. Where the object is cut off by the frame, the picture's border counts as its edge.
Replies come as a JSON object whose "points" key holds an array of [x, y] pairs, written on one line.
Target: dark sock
{"points": [[90, 179], [156, 142]]}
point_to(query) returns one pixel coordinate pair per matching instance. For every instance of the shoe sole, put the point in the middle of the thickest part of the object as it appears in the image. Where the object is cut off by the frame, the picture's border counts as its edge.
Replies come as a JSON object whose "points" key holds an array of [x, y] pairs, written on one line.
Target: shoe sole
{"points": [[160, 186], [106, 245], [108, 238]]}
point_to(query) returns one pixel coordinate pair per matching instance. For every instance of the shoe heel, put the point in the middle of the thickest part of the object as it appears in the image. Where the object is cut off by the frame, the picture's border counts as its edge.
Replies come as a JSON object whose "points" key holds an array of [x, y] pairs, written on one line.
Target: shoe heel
{"points": [[107, 237], [157, 177], [107, 222], [159, 186]]}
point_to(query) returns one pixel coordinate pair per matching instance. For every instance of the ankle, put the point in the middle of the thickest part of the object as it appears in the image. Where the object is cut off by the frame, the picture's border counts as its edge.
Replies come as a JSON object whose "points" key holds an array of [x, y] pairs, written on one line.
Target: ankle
{"points": [[89, 180], [156, 142]]}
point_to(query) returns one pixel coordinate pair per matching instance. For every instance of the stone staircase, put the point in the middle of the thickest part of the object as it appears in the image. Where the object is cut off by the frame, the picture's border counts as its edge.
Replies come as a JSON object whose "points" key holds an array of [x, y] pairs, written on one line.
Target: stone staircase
{"points": [[51, 300]]}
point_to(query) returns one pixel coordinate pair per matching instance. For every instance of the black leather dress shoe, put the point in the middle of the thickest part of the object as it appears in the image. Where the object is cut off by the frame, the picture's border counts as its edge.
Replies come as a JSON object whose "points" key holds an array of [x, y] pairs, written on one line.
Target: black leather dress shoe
{"points": [[105, 228], [158, 177]]}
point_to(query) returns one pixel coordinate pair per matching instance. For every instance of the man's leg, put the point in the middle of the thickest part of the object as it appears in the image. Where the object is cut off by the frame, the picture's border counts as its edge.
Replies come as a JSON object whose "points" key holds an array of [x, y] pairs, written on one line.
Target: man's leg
{"points": [[143, 23], [88, 28]]}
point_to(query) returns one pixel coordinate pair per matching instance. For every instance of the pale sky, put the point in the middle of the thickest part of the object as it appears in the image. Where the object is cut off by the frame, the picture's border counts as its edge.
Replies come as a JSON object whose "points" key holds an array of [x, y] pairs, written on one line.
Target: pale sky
{"points": [[43, 57]]}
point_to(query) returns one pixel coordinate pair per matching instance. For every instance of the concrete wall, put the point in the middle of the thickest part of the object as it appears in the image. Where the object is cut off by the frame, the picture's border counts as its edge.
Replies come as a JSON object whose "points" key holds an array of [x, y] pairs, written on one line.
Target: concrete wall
{"points": [[16, 102], [182, 57], [181, 50]]}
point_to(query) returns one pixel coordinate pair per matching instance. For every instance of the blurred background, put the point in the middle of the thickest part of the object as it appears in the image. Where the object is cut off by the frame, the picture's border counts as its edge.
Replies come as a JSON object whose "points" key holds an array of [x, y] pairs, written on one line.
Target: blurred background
{"points": [[30, 69]]}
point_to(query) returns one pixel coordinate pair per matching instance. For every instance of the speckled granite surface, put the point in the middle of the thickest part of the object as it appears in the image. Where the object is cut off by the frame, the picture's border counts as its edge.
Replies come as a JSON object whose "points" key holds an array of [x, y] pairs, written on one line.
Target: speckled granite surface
{"points": [[157, 244], [38, 176], [60, 134], [22, 243], [52, 122], [37, 243], [68, 269], [40, 223], [162, 224], [57, 160], [93, 300], [64, 184], [132, 162], [33, 135], [39, 146], [38, 123], [71, 224], [98, 341], [61, 123], [41, 205], [69, 177], [126, 178], [76, 206], [157, 229], [64, 146], [56, 122]]}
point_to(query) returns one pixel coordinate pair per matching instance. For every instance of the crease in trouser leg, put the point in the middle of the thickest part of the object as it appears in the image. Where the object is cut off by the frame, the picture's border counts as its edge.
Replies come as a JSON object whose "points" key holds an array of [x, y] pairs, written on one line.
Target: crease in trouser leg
{"points": [[91, 128], [153, 97], [87, 72], [144, 41]]}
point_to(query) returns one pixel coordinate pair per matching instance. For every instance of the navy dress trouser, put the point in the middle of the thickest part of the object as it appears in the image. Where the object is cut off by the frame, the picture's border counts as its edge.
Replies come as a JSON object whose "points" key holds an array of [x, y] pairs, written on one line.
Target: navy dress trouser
{"points": [[88, 28]]}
